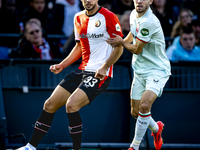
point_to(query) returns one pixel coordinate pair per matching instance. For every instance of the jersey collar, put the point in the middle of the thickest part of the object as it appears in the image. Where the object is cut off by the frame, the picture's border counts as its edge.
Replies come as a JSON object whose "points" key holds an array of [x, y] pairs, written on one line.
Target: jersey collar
{"points": [[148, 12], [94, 13]]}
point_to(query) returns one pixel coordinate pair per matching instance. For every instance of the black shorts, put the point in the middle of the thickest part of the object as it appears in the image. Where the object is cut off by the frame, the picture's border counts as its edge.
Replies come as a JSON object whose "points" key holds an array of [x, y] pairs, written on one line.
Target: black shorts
{"points": [[85, 80]]}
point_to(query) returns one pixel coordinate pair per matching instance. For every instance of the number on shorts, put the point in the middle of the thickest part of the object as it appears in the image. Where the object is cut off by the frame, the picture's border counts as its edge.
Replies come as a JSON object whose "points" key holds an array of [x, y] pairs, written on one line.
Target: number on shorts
{"points": [[90, 81]]}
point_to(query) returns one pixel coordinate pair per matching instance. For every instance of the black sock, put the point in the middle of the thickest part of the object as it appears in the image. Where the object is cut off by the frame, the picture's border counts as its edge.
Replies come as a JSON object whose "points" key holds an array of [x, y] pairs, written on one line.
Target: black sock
{"points": [[75, 129], [42, 126]]}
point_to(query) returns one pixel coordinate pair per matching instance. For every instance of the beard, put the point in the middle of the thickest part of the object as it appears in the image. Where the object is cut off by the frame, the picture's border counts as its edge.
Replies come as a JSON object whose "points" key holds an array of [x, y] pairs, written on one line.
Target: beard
{"points": [[143, 9], [89, 9]]}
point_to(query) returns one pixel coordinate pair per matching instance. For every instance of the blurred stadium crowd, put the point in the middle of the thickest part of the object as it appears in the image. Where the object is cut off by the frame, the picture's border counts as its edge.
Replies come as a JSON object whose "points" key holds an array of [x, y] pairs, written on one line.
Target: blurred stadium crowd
{"points": [[50, 35]]}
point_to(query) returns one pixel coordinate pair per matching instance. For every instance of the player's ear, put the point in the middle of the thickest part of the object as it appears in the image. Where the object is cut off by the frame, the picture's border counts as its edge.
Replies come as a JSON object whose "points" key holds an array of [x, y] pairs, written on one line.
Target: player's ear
{"points": [[151, 1]]}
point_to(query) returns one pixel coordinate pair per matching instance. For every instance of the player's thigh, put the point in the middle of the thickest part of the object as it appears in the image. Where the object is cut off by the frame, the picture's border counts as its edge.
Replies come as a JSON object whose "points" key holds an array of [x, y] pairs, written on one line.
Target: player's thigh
{"points": [[147, 101], [87, 91], [137, 88], [154, 87], [76, 101], [57, 99], [156, 84], [93, 86]]}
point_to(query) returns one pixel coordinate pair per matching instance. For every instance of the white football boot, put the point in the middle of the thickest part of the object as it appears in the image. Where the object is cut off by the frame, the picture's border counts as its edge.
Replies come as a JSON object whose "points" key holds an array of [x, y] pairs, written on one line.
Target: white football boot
{"points": [[27, 147]]}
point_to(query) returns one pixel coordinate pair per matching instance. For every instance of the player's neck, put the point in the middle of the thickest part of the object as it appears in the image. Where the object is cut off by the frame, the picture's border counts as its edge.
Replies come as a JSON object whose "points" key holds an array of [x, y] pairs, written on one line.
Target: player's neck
{"points": [[93, 11]]}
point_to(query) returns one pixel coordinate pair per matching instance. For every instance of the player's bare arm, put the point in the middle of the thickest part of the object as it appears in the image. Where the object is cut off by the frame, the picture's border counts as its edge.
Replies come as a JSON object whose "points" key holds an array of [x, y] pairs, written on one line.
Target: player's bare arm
{"points": [[119, 41], [74, 55], [133, 48], [115, 55], [129, 38]]}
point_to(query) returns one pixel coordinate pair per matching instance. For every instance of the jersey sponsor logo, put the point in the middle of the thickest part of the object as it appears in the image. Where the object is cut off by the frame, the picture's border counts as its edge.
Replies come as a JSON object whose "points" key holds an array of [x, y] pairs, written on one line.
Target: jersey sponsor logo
{"points": [[156, 81], [144, 32], [94, 35], [97, 23], [117, 26]]}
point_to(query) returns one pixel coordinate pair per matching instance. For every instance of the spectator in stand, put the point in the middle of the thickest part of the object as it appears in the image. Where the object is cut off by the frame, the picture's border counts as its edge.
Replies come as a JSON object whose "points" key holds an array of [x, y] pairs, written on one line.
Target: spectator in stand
{"points": [[196, 27], [125, 22], [9, 22], [166, 14], [37, 9], [22, 5], [185, 49], [185, 18], [9, 17], [120, 6], [106, 4], [63, 14], [68, 45], [34, 45], [176, 3], [192, 5]]}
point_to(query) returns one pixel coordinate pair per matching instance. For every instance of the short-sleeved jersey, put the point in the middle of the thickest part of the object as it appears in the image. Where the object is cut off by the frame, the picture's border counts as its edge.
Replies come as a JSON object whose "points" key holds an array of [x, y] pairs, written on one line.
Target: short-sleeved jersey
{"points": [[92, 32], [153, 58]]}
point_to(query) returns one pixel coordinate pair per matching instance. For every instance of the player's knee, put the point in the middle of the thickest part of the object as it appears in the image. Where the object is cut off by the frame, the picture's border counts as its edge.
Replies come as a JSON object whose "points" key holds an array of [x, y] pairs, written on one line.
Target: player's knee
{"points": [[71, 107], [144, 108], [48, 106]]}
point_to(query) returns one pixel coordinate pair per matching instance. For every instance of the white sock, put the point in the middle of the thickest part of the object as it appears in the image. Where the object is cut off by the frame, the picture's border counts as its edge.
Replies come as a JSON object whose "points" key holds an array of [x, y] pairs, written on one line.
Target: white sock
{"points": [[153, 126], [142, 124], [31, 146], [136, 147]]}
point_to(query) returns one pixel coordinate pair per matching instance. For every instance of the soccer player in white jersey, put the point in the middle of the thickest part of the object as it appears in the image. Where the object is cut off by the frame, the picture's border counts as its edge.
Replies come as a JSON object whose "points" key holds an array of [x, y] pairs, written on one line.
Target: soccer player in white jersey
{"points": [[151, 69], [93, 26]]}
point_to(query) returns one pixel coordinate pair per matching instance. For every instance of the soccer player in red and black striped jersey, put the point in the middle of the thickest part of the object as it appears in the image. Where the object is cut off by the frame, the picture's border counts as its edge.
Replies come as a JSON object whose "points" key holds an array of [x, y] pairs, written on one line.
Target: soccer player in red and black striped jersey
{"points": [[92, 27]]}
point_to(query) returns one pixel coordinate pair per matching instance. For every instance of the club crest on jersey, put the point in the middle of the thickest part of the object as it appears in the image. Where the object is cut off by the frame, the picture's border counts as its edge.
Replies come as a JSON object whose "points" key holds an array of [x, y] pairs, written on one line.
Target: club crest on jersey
{"points": [[117, 26], [144, 32], [97, 23]]}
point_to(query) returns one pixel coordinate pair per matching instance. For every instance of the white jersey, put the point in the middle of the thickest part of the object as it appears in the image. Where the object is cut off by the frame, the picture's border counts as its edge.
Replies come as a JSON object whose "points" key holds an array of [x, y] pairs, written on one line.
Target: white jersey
{"points": [[153, 58], [92, 32]]}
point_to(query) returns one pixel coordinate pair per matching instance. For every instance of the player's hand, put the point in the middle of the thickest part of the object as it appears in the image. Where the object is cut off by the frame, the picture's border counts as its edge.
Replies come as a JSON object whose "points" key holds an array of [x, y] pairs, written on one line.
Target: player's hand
{"points": [[115, 41], [56, 68], [100, 73]]}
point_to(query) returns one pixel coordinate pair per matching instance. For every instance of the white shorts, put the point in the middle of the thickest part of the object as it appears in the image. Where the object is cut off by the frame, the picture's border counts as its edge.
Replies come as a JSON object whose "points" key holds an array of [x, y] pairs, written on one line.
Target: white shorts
{"points": [[152, 83]]}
